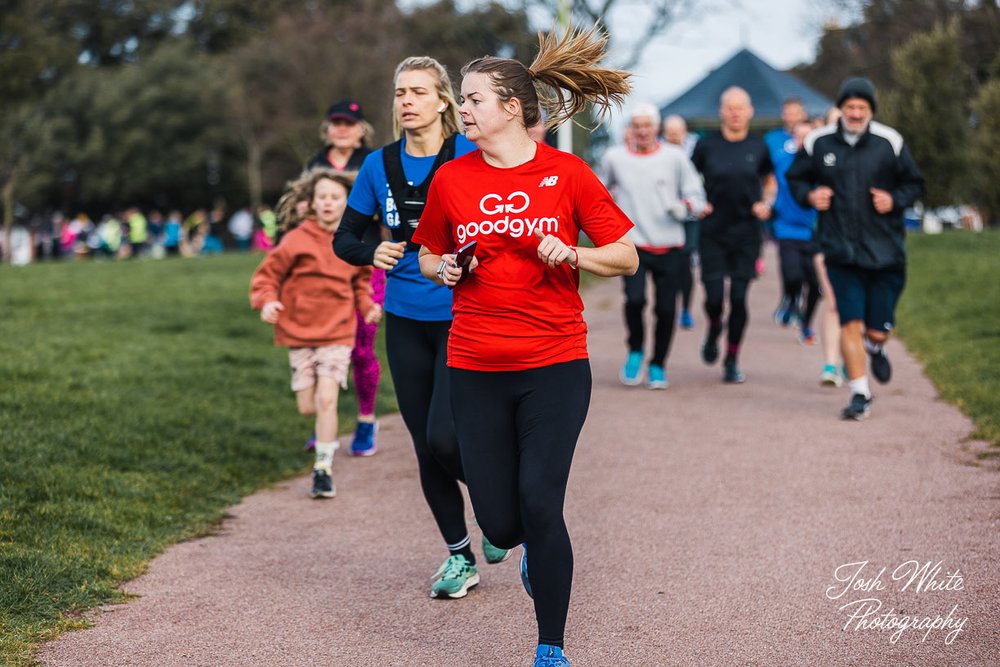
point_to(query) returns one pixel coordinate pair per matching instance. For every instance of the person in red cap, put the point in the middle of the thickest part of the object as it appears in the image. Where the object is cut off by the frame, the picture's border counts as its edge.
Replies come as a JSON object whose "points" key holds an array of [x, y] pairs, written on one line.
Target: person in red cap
{"points": [[346, 134]]}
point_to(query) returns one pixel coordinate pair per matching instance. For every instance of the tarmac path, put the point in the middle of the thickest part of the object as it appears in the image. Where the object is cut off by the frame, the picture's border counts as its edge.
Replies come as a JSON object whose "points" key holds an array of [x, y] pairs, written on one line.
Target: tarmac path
{"points": [[710, 525]]}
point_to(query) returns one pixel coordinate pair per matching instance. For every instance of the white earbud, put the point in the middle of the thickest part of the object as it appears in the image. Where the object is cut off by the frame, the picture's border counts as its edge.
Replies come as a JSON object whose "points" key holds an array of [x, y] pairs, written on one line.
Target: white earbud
{"points": [[444, 105]]}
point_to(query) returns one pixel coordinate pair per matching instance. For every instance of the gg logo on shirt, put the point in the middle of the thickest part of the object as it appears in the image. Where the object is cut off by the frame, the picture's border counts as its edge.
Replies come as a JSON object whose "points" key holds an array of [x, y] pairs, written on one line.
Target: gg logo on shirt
{"points": [[509, 207], [516, 202]]}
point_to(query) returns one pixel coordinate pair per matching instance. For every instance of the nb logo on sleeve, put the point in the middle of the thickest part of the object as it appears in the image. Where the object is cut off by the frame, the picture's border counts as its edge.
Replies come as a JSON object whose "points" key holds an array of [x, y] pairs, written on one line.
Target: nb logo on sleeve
{"points": [[548, 181]]}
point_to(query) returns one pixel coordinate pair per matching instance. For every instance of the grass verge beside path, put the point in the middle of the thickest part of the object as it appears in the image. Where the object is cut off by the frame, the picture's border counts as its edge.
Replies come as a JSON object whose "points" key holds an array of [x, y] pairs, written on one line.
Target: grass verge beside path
{"points": [[949, 318], [138, 400]]}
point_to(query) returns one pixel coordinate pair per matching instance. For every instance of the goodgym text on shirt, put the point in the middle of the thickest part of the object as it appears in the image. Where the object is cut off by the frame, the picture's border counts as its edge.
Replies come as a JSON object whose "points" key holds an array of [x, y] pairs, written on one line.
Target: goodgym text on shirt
{"points": [[516, 227]]}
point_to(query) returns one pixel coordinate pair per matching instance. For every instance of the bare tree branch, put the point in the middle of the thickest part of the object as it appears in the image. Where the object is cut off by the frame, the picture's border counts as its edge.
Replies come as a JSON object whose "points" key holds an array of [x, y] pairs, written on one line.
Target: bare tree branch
{"points": [[663, 15]]}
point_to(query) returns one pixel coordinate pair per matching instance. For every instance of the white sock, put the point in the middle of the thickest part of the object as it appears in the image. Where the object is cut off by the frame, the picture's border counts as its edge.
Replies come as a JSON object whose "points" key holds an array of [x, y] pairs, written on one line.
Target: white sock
{"points": [[872, 347], [324, 455], [859, 386]]}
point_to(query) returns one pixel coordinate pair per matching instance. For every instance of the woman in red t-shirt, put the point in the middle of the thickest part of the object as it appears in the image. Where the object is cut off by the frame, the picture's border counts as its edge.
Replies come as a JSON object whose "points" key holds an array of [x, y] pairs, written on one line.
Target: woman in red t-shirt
{"points": [[517, 350]]}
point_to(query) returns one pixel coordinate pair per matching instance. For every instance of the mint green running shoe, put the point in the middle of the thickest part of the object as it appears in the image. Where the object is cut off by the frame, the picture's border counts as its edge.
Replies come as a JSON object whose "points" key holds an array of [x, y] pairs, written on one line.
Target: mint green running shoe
{"points": [[494, 554], [454, 578]]}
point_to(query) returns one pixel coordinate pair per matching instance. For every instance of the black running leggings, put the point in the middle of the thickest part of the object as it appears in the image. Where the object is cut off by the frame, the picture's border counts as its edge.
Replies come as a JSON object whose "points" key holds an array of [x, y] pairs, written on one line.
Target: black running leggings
{"points": [[417, 354], [798, 271], [687, 282], [666, 271], [518, 431], [714, 296]]}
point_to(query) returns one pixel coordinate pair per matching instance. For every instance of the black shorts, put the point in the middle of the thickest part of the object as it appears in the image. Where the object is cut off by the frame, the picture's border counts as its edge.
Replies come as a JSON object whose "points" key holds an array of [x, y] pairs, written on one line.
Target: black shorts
{"points": [[869, 295], [731, 256]]}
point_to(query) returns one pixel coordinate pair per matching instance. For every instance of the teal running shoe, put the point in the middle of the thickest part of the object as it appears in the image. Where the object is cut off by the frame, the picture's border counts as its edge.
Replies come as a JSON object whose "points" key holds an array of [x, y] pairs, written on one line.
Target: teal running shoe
{"points": [[494, 554], [657, 378], [547, 655], [454, 578], [631, 372]]}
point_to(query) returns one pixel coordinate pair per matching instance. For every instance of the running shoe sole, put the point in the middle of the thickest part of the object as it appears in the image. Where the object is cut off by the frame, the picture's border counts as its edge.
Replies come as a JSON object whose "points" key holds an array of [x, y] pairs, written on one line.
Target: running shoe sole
{"points": [[855, 416], [630, 383], [830, 380], [461, 592], [490, 551]]}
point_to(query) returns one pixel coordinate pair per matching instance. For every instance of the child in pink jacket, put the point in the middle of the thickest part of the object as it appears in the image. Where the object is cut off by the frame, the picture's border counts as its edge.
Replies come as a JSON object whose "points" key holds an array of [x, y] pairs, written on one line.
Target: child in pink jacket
{"points": [[310, 296]]}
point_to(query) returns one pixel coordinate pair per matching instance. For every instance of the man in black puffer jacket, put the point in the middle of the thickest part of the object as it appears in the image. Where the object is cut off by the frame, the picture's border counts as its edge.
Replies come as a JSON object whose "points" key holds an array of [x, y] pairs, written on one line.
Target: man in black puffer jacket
{"points": [[860, 176]]}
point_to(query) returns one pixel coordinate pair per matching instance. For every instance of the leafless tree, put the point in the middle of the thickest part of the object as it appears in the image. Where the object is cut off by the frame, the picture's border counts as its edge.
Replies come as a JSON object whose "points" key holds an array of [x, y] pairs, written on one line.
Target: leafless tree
{"points": [[658, 17]]}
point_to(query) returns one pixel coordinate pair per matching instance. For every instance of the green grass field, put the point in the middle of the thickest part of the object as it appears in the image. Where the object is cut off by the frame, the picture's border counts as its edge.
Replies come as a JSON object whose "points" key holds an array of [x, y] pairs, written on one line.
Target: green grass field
{"points": [[137, 401], [140, 399], [949, 318]]}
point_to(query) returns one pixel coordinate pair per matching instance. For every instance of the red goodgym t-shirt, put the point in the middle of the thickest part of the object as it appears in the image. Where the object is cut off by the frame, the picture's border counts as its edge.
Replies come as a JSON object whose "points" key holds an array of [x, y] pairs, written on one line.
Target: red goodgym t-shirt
{"points": [[514, 312]]}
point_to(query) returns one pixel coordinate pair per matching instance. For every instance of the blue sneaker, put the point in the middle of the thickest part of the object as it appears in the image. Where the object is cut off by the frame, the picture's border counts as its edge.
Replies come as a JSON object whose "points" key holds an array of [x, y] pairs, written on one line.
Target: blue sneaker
{"points": [[524, 571], [547, 655], [687, 322], [364, 439], [311, 443], [631, 372], [785, 312], [657, 378]]}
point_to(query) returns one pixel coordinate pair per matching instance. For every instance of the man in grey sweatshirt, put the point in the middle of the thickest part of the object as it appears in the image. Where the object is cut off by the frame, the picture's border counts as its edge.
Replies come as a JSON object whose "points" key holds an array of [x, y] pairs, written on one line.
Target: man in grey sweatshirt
{"points": [[657, 187]]}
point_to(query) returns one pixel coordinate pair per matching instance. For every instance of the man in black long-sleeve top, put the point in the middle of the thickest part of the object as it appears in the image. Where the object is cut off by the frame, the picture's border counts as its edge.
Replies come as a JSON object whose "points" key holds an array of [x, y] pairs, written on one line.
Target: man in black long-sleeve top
{"points": [[860, 176]]}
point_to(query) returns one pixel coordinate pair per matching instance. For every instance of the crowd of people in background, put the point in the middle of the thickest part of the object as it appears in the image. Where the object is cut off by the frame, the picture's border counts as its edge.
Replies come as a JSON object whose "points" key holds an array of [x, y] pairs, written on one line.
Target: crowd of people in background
{"points": [[132, 233]]}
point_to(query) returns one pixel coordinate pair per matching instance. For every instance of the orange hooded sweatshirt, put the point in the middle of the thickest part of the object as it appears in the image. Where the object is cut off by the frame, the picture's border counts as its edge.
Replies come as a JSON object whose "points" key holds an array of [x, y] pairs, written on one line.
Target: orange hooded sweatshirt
{"points": [[319, 291]]}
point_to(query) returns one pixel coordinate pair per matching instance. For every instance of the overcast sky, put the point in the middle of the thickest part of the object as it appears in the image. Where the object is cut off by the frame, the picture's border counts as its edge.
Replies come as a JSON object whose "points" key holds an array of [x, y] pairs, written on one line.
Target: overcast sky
{"points": [[783, 33]]}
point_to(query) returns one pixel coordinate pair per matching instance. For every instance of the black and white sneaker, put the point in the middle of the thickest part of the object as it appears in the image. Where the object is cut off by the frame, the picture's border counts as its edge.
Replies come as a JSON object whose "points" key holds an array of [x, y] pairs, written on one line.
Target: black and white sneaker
{"points": [[732, 374], [322, 485], [859, 408], [881, 368]]}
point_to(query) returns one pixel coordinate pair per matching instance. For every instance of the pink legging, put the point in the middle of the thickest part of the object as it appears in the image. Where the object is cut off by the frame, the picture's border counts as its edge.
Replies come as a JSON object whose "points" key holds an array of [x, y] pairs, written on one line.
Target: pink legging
{"points": [[363, 359]]}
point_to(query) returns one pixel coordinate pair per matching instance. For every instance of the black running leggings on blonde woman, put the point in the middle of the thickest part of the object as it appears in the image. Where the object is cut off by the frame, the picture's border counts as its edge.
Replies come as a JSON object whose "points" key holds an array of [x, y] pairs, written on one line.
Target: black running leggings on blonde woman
{"points": [[517, 431], [417, 354]]}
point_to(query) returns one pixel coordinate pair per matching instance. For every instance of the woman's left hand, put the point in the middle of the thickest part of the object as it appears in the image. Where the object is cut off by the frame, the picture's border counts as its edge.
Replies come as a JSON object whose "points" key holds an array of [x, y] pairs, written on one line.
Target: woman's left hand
{"points": [[554, 252]]}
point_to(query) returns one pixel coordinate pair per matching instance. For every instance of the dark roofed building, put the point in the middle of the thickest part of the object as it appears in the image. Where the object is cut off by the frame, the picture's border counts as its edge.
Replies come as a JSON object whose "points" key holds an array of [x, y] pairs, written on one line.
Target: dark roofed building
{"points": [[767, 87]]}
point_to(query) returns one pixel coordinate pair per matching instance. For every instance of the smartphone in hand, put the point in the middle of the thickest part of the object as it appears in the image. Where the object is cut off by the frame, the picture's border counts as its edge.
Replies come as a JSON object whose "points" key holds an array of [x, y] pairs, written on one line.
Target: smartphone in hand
{"points": [[463, 257]]}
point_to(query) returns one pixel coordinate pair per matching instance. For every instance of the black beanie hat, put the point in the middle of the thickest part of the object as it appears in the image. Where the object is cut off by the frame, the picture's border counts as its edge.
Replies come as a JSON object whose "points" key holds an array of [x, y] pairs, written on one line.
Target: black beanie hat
{"points": [[857, 86]]}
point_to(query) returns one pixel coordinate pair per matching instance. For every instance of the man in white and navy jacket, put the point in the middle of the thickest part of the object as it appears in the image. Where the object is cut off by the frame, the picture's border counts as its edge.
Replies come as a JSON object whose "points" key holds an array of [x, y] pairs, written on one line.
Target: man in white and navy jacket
{"points": [[860, 176]]}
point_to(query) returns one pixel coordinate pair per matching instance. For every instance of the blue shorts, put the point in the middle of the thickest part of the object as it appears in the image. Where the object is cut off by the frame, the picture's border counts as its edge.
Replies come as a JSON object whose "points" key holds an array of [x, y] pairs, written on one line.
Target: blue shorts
{"points": [[869, 295]]}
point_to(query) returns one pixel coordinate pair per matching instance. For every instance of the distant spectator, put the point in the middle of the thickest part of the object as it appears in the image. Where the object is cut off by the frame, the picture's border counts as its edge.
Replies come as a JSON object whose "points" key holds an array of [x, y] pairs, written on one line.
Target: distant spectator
{"points": [[138, 232], [195, 230], [212, 244], [241, 228], [173, 234], [266, 236], [110, 231]]}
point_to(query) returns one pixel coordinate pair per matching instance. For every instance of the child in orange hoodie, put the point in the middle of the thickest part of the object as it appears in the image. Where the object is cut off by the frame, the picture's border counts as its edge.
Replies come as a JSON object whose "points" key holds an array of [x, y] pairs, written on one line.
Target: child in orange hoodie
{"points": [[310, 295]]}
